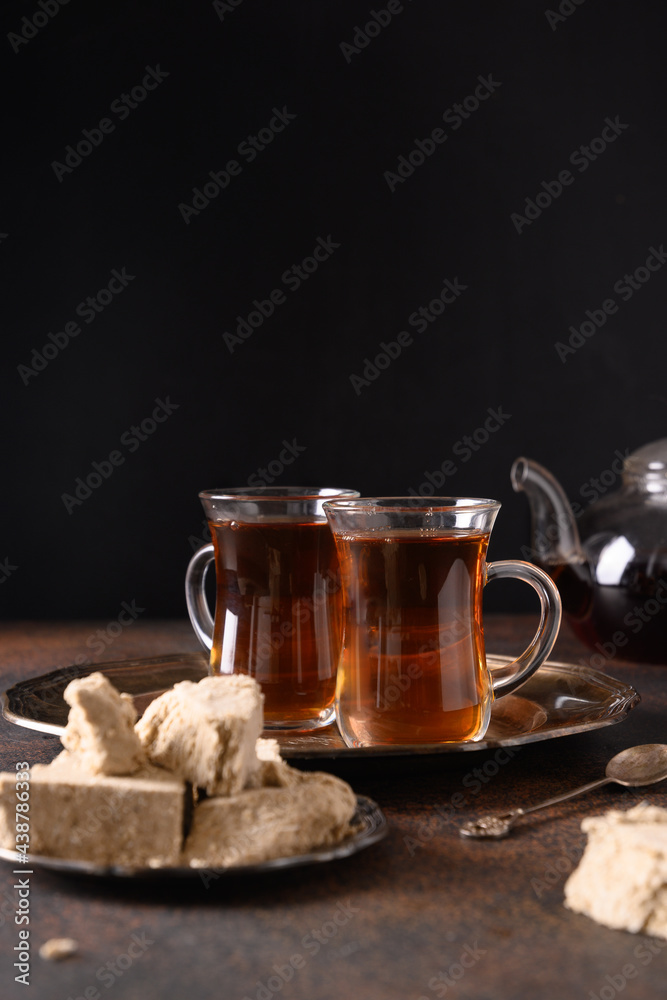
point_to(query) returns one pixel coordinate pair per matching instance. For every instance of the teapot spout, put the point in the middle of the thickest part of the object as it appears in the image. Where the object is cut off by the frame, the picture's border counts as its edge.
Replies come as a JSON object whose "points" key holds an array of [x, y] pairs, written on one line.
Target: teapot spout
{"points": [[555, 537]]}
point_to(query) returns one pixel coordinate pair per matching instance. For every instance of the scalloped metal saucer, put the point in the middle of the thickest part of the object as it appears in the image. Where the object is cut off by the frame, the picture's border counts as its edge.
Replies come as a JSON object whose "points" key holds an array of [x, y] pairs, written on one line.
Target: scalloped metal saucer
{"points": [[559, 700]]}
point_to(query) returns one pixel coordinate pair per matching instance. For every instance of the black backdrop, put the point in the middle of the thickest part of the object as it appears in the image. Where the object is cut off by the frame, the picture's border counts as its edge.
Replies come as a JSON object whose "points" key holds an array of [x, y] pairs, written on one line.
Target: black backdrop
{"points": [[339, 96]]}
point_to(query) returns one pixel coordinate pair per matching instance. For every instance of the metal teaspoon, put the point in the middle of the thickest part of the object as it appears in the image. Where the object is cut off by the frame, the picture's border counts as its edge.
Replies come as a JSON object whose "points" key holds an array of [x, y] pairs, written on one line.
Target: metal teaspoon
{"points": [[643, 765]]}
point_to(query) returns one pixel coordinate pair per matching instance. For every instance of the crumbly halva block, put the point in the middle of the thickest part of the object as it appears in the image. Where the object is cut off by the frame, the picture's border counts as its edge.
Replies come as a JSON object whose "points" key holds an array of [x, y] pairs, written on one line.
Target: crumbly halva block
{"points": [[100, 727], [271, 771], [621, 880], [264, 823], [206, 732], [135, 821]]}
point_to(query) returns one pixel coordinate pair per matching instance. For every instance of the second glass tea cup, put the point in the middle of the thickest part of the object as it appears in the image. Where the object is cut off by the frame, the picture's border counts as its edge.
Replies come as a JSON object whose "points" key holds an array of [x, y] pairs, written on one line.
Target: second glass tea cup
{"points": [[413, 667]]}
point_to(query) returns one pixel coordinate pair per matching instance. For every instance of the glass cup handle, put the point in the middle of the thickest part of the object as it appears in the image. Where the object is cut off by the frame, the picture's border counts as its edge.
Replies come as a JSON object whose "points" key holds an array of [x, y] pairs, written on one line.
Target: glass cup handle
{"points": [[195, 595], [509, 676]]}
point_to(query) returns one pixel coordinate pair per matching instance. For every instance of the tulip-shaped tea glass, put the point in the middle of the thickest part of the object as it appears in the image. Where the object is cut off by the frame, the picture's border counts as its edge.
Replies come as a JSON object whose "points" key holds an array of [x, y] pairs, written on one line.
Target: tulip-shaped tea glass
{"points": [[278, 599], [413, 667]]}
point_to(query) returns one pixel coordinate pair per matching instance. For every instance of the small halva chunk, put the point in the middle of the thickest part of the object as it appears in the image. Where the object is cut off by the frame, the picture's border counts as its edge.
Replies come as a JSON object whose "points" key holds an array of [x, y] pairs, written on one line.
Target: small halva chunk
{"points": [[206, 732], [100, 727], [621, 880]]}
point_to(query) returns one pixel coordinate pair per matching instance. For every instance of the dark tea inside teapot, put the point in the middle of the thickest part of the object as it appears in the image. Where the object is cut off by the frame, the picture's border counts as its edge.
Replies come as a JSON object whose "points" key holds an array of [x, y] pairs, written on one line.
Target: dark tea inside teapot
{"points": [[609, 561]]}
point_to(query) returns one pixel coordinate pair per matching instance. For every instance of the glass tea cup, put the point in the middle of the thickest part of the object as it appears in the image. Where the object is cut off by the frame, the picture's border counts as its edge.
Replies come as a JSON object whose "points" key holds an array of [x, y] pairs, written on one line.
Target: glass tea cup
{"points": [[413, 667], [278, 598]]}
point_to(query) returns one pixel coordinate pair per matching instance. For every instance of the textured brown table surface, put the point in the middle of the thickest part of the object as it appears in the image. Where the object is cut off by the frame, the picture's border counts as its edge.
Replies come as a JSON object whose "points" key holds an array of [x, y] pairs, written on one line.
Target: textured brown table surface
{"points": [[422, 914]]}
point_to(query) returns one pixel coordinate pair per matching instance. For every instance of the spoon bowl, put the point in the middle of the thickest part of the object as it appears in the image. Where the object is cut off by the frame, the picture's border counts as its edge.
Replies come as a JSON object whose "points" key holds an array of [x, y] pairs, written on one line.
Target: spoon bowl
{"points": [[636, 766]]}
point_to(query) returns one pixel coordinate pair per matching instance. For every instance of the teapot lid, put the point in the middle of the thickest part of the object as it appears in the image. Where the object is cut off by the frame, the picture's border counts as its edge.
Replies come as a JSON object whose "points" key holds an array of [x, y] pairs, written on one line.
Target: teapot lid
{"points": [[648, 463]]}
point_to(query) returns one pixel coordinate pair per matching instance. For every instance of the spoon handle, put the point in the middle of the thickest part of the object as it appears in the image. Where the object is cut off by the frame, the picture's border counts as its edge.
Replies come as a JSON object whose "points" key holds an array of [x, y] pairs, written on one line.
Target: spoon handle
{"points": [[568, 795], [500, 825]]}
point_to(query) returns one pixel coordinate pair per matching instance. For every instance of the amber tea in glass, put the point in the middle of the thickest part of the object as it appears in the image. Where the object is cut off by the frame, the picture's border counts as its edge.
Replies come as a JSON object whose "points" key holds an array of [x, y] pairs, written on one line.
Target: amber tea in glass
{"points": [[278, 598], [413, 666]]}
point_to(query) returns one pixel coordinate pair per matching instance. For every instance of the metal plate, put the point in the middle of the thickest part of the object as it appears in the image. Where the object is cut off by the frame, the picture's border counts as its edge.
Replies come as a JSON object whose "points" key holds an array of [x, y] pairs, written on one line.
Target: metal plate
{"points": [[560, 699], [370, 826]]}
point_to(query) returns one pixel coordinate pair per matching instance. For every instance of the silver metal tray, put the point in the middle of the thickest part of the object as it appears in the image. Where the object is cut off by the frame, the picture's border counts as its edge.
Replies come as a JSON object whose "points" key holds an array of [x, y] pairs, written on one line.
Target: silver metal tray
{"points": [[558, 700]]}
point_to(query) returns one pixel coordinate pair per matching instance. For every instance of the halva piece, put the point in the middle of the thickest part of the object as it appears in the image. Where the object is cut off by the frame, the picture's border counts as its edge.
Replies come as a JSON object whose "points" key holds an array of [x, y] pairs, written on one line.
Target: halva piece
{"points": [[314, 810], [100, 727], [135, 821], [56, 949], [206, 735], [621, 880], [206, 732], [271, 770]]}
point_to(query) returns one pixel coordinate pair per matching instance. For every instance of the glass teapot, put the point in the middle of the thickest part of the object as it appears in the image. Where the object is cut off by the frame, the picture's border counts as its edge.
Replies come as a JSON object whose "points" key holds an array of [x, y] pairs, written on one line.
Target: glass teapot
{"points": [[609, 560]]}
